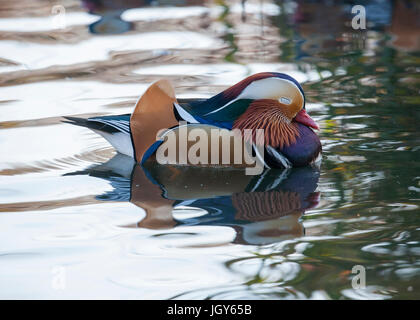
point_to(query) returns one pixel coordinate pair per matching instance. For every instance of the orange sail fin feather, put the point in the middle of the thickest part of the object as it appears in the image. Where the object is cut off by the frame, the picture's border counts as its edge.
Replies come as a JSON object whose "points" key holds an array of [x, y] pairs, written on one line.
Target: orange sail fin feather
{"points": [[153, 112], [271, 116]]}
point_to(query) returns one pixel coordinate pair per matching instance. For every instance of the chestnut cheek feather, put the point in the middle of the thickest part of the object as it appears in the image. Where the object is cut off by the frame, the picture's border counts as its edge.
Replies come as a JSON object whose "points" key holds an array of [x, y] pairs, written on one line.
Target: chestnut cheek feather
{"points": [[279, 131]]}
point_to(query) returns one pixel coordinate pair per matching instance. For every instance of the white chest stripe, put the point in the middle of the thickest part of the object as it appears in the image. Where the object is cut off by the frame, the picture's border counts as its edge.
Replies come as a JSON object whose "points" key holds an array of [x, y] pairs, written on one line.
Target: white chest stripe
{"points": [[184, 114], [260, 158], [279, 157]]}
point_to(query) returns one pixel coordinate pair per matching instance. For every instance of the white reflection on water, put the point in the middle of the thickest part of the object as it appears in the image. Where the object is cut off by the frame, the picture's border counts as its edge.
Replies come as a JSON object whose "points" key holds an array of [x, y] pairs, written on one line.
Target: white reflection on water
{"points": [[103, 260], [93, 49], [51, 221], [150, 14], [34, 24], [55, 99]]}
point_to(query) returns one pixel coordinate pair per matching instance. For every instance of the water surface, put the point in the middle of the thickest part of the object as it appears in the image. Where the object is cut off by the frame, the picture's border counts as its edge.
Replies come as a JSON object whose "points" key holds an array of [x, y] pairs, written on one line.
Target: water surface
{"points": [[79, 221]]}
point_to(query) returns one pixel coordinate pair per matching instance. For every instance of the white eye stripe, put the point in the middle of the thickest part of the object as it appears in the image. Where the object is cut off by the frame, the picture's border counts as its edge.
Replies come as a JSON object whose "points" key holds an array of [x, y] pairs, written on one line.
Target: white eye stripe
{"points": [[268, 85], [256, 90]]}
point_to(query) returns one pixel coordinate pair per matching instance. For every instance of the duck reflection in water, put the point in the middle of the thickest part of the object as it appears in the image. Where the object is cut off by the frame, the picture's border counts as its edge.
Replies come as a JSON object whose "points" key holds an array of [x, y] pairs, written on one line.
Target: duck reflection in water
{"points": [[110, 11], [261, 209]]}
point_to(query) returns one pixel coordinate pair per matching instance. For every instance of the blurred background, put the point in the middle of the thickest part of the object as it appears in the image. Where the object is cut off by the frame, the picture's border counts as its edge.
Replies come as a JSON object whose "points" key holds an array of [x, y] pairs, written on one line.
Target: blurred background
{"points": [[78, 221]]}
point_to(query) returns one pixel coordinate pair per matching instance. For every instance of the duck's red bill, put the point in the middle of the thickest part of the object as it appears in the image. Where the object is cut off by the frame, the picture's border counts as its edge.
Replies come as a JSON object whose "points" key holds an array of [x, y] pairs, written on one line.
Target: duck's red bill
{"points": [[304, 118]]}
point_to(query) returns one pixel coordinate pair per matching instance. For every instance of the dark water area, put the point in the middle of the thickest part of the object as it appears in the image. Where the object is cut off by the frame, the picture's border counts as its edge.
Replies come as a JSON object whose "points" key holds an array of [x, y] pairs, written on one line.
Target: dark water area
{"points": [[80, 221]]}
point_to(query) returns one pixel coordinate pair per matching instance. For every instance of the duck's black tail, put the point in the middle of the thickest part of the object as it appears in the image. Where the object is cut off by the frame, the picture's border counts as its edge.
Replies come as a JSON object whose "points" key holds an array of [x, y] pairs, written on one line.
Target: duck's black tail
{"points": [[115, 129], [108, 124]]}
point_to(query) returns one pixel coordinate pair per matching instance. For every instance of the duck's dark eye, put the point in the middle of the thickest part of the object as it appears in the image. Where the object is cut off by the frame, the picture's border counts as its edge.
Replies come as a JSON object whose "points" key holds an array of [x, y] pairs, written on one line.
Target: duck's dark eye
{"points": [[285, 100]]}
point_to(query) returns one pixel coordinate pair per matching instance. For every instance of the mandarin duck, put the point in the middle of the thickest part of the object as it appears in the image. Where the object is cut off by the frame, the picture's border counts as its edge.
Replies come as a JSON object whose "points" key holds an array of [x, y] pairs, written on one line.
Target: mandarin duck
{"points": [[271, 101]]}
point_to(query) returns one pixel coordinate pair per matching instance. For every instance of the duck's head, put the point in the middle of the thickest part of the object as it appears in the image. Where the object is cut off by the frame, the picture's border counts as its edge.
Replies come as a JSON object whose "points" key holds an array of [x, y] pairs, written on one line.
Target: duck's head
{"points": [[271, 101]]}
